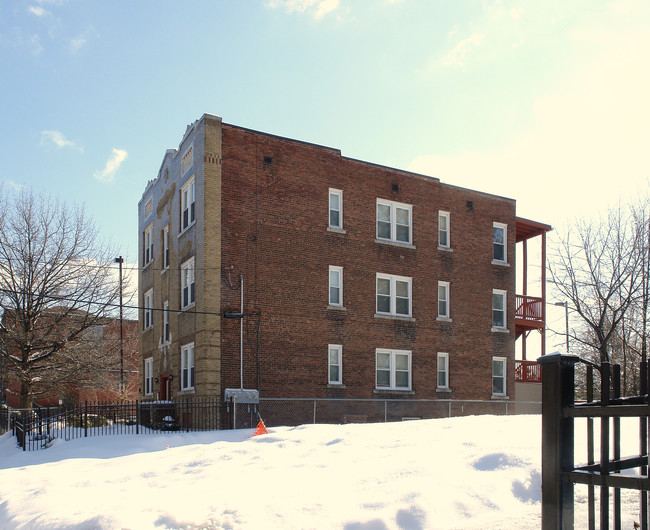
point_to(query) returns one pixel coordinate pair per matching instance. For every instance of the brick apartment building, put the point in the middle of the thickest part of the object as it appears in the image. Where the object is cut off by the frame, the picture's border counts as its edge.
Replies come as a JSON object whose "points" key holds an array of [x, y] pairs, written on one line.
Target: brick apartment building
{"points": [[359, 281]]}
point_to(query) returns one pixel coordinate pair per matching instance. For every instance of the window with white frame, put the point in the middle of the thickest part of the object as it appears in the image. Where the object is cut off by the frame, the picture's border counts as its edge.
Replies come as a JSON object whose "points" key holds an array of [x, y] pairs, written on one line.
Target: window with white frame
{"points": [[335, 364], [499, 242], [187, 366], [148, 376], [166, 334], [443, 229], [148, 208], [336, 286], [187, 283], [393, 295], [165, 246], [394, 221], [187, 160], [443, 300], [148, 309], [336, 209], [393, 369], [499, 299], [188, 196], [443, 371], [498, 376], [148, 245]]}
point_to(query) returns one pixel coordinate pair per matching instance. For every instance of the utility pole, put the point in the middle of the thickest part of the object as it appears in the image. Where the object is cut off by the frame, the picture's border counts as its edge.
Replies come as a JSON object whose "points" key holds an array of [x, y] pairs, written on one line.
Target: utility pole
{"points": [[120, 260]]}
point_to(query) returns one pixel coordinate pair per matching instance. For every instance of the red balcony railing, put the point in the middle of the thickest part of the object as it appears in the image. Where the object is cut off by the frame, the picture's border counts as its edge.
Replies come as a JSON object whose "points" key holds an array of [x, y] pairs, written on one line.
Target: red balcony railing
{"points": [[528, 372], [529, 308]]}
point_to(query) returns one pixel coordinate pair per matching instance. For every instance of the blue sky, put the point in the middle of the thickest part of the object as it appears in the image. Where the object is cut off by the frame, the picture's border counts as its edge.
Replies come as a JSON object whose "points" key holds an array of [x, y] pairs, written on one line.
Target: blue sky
{"points": [[544, 102]]}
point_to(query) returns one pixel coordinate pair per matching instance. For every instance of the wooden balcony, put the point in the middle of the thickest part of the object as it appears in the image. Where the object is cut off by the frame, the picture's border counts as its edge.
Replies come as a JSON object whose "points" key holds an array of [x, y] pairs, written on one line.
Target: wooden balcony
{"points": [[528, 372], [529, 312]]}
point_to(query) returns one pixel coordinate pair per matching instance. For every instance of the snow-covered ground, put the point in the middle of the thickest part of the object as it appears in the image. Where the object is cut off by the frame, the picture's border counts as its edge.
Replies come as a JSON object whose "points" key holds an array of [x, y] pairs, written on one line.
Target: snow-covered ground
{"points": [[471, 472]]}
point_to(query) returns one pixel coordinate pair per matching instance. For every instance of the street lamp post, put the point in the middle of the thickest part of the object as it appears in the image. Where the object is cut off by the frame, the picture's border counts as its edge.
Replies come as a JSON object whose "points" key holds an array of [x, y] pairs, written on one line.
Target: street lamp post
{"points": [[565, 304], [120, 260]]}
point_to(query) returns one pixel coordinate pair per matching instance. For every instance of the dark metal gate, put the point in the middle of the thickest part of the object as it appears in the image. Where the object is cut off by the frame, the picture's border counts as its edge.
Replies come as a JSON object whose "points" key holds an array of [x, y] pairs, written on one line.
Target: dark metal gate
{"points": [[559, 472]]}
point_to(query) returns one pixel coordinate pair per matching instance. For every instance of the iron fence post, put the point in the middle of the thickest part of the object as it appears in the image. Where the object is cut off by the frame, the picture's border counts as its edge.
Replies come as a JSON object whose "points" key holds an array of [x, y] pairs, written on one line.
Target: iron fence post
{"points": [[557, 440]]}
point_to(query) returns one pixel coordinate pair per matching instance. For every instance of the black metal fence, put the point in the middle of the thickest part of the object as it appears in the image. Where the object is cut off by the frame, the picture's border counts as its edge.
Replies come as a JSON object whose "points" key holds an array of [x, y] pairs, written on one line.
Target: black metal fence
{"points": [[38, 428], [607, 470]]}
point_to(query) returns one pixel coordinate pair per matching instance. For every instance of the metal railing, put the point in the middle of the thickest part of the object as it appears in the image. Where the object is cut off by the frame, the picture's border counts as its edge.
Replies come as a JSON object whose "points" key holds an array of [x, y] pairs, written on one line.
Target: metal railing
{"points": [[608, 471]]}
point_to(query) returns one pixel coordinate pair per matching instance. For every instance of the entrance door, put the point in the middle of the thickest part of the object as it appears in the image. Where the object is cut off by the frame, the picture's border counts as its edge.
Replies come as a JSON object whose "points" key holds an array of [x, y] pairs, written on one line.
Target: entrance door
{"points": [[164, 388]]}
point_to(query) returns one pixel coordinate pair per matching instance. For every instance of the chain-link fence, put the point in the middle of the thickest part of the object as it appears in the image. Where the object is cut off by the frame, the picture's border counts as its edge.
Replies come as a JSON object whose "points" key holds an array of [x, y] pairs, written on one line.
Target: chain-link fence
{"points": [[299, 411]]}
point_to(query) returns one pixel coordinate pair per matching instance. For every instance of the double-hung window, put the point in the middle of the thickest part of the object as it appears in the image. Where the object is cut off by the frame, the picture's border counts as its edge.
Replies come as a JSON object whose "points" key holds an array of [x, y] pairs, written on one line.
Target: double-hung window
{"points": [[393, 295], [148, 245], [148, 309], [336, 209], [499, 242], [336, 286], [187, 366], [148, 376], [443, 230], [393, 369], [498, 376], [187, 283], [188, 199], [335, 364], [443, 371], [499, 300], [165, 246], [166, 334], [394, 221], [443, 301]]}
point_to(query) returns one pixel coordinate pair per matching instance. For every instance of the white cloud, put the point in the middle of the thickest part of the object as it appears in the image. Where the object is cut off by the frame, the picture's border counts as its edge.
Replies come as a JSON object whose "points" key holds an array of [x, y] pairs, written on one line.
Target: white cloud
{"points": [[38, 11], [59, 140], [14, 185], [318, 8], [456, 57], [112, 165]]}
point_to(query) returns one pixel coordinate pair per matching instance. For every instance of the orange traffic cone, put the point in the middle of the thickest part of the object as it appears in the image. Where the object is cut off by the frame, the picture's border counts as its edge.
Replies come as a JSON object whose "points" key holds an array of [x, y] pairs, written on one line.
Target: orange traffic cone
{"points": [[261, 429]]}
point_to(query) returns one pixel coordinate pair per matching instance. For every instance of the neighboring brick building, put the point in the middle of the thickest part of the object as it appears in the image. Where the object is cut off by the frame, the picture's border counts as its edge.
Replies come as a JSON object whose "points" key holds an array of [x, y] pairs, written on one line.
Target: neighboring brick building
{"points": [[103, 385], [359, 280]]}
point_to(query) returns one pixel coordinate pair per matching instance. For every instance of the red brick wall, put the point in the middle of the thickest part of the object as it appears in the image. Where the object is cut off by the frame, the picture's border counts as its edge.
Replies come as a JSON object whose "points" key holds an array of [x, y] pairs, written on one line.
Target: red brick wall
{"points": [[274, 232]]}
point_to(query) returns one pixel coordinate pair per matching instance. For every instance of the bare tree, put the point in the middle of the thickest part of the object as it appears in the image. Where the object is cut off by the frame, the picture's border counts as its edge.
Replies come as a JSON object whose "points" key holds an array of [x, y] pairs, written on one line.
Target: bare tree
{"points": [[598, 270], [57, 285]]}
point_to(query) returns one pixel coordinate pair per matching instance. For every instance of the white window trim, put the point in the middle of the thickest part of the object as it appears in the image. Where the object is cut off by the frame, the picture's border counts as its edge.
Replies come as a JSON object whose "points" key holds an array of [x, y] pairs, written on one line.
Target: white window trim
{"points": [[167, 334], [393, 295], [148, 309], [339, 349], [393, 353], [446, 316], [333, 268], [147, 244], [187, 355], [148, 376], [504, 361], [188, 272], [191, 184], [393, 221], [166, 249], [445, 356], [339, 194], [503, 227], [447, 216], [504, 294]]}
